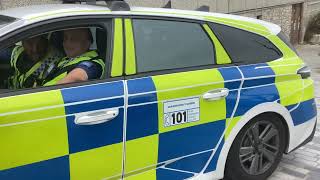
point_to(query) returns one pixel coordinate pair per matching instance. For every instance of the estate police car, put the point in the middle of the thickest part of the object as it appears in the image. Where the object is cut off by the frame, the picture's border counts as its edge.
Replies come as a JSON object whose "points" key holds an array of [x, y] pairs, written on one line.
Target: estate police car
{"points": [[186, 95]]}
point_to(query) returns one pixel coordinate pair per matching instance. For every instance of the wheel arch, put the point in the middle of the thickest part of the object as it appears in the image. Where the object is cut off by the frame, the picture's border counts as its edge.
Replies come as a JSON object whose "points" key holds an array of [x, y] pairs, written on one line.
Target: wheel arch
{"points": [[273, 108]]}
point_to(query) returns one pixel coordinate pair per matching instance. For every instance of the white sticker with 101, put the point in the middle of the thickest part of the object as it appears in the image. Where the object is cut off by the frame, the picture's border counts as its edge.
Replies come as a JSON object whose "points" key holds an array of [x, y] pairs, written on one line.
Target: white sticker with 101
{"points": [[181, 111]]}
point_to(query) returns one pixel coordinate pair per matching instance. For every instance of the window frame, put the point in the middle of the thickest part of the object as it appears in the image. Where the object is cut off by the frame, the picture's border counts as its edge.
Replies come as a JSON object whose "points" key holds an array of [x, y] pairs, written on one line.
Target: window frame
{"points": [[177, 70], [58, 24], [284, 38]]}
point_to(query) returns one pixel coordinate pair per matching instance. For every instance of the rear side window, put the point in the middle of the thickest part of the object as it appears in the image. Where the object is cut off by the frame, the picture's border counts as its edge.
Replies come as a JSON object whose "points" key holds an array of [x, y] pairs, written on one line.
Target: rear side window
{"points": [[285, 39], [245, 47], [165, 45]]}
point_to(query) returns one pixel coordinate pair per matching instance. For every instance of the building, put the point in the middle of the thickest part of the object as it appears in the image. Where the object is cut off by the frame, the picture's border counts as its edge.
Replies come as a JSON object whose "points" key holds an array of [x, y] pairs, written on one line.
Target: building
{"points": [[292, 15]]}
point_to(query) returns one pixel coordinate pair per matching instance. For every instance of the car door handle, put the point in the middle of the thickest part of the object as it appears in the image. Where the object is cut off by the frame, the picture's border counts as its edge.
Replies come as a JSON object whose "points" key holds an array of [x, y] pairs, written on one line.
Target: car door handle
{"points": [[98, 117], [216, 94]]}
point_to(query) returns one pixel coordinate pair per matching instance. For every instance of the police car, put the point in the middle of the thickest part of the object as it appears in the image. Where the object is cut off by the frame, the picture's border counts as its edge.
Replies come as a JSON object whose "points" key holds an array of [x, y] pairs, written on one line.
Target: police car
{"points": [[186, 95]]}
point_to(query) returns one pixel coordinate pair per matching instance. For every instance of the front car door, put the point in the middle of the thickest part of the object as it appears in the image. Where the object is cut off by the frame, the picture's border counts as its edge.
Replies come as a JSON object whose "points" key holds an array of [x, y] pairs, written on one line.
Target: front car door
{"points": [[66, 132], [180, 98]]}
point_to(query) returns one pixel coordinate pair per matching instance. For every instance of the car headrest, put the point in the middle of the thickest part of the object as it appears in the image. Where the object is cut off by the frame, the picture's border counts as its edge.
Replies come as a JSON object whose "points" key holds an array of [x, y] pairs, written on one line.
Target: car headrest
{"points": [[56, 39]]}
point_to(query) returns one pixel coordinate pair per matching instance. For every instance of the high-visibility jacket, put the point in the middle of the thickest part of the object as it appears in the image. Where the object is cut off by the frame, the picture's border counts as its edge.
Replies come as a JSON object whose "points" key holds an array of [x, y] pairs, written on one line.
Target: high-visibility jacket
{"points": [[68, 64], [34, 75]]}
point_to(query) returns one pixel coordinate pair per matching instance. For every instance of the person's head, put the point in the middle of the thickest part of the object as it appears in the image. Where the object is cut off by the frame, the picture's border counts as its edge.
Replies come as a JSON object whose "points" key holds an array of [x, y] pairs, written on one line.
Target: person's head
{"points": [[35, 47], [76, 41]]}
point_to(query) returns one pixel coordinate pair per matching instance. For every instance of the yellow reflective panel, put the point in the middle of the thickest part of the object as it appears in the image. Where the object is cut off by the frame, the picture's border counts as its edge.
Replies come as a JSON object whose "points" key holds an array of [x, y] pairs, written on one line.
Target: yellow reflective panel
{"points": [[288, 83], [32, 128], [97, 164], [141, 155], [130, 49], [36, 106], [55, 13], [292, 89], [230, 124], [221, 55], [147, 175], [117, 56], [32, 142], [287, 51], [290, 92], [308, 89], [186, 85], [55, 80]]}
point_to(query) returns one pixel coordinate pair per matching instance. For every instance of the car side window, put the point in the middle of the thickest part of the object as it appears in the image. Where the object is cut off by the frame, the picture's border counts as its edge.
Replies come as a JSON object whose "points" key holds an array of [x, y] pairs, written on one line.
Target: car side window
{"points": [[48, 58], [165, 45], [244, 46], [286, 40]]}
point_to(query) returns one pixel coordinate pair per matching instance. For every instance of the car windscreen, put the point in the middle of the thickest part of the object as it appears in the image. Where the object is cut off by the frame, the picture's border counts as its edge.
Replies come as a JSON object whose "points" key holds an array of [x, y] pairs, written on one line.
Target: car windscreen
{"points": [[5, 20]]}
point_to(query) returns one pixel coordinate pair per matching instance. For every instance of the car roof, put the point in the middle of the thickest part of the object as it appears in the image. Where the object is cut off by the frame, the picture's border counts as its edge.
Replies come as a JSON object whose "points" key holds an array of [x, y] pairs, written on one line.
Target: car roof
{"points": [[30, 14]]}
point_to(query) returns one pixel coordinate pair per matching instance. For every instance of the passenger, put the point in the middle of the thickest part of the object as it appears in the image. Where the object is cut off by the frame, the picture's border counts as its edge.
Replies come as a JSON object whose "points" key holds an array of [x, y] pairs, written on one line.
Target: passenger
{"points": [[80, 63], [30, 60]]}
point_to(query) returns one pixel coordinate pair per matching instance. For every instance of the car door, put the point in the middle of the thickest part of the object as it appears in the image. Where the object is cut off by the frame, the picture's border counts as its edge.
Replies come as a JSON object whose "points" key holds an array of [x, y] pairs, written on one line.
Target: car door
{"points": [[66, 132], [181, 97]]}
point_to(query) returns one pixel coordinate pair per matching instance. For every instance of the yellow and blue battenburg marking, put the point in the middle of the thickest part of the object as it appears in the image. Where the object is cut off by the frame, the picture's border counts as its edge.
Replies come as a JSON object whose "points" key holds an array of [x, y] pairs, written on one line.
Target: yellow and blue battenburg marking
{"points": [[258, 87], [40, 140], [187, 146], [50, 146], [43, 141], [95, 151], [182, 151], [26, 137]]}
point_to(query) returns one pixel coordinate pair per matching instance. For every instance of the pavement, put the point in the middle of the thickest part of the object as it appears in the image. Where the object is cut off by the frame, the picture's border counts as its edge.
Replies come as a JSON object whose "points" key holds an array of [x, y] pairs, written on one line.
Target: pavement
{"points": [[304, 163]]}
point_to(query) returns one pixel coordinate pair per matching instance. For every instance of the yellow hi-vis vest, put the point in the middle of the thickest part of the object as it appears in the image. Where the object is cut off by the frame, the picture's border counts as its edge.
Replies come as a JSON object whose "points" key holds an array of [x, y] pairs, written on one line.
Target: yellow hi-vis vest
{"points": [[66, 65], [18, 79], [14, 79]]}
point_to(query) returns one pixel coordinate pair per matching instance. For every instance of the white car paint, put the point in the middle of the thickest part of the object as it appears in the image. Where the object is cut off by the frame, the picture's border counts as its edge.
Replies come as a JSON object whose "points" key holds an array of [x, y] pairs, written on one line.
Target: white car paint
{"points": [[31, 14]]}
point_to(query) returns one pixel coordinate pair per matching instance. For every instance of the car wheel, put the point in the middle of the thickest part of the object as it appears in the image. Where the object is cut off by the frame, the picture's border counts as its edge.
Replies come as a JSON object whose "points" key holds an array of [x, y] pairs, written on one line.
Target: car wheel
{"points": [[257, 149]]}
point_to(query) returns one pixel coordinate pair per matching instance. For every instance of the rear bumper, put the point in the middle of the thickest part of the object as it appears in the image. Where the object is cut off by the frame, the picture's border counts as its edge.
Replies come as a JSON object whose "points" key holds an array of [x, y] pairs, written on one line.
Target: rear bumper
{"points": [[308, 139]]}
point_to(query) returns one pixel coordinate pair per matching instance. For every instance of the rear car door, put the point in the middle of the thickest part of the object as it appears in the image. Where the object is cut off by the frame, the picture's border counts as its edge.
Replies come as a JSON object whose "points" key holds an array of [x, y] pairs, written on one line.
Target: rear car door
{"points": [[272, 74], [66, 132], [181, 97]]}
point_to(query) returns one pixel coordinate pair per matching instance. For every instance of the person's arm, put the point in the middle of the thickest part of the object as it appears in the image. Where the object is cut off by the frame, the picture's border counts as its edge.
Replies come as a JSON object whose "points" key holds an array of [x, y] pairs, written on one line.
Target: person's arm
{"points": [[84, 71], [76, 75]]}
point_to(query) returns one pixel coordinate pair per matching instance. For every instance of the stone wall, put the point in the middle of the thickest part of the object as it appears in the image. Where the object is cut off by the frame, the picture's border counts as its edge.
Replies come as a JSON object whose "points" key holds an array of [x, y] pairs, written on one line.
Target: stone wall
{"points": [[281, 16], [251, 14], [313, 9], [275, 11], [5, 4], [147, 3]]}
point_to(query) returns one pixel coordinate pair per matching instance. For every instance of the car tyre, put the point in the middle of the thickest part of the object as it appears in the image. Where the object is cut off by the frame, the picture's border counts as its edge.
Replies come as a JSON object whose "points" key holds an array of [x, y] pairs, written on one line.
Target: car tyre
{"points": [[257, 149]]}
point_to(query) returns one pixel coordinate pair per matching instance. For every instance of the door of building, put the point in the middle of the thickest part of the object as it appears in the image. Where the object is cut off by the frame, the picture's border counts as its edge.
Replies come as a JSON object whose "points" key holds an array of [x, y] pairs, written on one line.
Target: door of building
{"points": [[296, 23]]}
